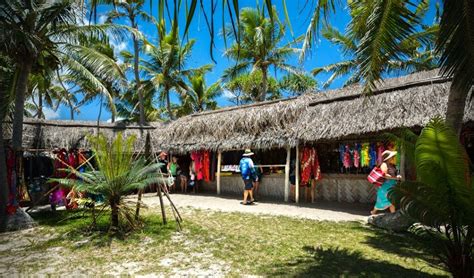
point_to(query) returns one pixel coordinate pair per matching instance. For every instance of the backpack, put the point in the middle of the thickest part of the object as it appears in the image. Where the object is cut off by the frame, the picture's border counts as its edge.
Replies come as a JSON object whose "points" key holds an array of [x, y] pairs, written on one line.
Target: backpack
{"points": [[376, 176]]}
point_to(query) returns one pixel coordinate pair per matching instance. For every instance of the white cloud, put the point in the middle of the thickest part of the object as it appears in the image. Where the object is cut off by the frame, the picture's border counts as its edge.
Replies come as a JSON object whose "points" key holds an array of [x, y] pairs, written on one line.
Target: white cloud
{"points": [[50, 114], [118, 46], [102, 19], [228, 94]]}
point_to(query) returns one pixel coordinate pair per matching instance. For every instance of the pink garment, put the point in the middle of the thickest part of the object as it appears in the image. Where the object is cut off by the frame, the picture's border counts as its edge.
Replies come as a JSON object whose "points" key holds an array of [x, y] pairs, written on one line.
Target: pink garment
{"points": [[356, 158], [198, 157], [347, 158]]}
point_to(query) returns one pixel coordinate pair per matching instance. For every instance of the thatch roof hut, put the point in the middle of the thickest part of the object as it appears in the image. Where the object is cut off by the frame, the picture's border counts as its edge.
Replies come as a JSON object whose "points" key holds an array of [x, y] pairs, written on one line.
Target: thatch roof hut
{"points": [[408, 101], [48, 134]]}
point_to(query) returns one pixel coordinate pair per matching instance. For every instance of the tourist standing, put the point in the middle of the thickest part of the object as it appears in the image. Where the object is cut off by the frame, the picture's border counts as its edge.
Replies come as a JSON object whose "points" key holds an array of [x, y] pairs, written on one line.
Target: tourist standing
{"points": [[390, 171], [174, 171], [164, 171], [248, 175]]}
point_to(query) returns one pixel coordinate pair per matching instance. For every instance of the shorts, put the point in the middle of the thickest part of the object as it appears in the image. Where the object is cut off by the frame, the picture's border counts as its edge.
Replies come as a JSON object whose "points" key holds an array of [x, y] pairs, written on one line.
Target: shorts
{"points": [[293, 179], [248, 184]]}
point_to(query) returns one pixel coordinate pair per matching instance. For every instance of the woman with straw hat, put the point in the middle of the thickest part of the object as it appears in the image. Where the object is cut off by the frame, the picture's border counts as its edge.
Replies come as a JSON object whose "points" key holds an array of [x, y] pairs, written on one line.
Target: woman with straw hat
{"points": [[390, 171]]}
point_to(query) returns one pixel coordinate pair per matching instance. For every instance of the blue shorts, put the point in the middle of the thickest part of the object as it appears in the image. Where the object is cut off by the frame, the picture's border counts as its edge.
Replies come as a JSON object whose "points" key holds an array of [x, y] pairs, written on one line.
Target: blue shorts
{"points": [[248, 184]]}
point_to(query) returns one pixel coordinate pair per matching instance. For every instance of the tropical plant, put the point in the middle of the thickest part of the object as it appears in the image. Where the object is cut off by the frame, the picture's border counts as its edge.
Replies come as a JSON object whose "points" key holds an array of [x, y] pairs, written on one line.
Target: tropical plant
{"points": [[39, 34], [247, 88], [127, 104], [257, 47], [118, 173], [442, 197], [166, 65], [133, 10], [201, 97], [297, 84], [415, 53]]}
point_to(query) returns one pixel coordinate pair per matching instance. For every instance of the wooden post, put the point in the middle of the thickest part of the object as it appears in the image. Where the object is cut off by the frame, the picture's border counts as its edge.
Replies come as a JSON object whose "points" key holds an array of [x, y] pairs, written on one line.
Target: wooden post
{"points": [[218, 178], [287, 174], [297, 174]]}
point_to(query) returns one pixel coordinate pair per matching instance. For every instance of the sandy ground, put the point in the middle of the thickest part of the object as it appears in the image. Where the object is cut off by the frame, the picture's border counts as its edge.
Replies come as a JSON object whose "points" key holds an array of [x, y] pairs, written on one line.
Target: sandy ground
{"points": [[323, 211], [19, 258]]}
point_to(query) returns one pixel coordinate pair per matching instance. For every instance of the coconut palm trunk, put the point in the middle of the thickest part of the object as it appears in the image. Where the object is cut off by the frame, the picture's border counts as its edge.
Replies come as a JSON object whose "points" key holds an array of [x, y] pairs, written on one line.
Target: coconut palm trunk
{"points": [[168, 103], [456, 106], [136, 60], [263, 94], [20, 91]]}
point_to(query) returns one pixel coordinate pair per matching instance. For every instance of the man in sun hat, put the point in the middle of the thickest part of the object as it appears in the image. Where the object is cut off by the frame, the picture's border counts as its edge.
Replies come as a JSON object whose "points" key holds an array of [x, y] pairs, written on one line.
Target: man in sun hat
{"points": [[248, 175]]}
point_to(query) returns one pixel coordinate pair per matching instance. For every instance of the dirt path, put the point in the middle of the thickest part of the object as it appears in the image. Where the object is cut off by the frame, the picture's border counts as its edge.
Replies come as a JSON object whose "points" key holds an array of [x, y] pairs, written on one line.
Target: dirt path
{"points": [[327, 211]]}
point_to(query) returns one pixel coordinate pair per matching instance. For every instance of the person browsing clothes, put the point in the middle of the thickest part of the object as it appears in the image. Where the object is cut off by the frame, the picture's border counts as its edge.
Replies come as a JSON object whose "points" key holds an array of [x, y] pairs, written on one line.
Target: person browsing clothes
{"points": [[247, 170]]}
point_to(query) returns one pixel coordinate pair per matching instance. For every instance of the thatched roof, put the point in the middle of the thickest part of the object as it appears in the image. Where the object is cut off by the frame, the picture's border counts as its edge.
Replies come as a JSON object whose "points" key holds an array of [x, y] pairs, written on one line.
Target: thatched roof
{"points": [[39, 134], [408, 101]]}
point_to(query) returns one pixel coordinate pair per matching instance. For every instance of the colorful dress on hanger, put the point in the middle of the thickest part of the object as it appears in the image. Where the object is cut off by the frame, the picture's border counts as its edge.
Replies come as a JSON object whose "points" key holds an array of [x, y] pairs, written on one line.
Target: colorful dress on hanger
{"points": [[357, 156], [347, 157], [206, 165], [364, 155], [373, 155], [197, 157], [310, 168]]}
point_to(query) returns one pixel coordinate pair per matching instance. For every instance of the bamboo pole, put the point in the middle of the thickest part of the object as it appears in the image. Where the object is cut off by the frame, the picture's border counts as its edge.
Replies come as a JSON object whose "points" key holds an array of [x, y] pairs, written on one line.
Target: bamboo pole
{"points": [[297, 174], [287, 173], [218, 178]]}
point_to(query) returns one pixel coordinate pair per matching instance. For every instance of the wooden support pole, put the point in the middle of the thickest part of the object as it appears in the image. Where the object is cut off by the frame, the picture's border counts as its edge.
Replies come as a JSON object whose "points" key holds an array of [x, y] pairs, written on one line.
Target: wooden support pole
{"points": [[218, 178], [297, 174], [287, 174]]}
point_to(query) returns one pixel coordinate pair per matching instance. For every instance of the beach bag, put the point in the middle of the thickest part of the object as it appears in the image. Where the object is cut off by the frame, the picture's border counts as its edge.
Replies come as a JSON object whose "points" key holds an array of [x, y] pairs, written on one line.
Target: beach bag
{"points": [[376, 176]]}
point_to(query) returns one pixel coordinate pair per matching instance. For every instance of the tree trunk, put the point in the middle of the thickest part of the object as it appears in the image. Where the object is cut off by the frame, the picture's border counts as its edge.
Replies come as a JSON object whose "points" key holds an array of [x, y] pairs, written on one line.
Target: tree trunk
{"points": [[141, 106], [168, 103], [20, 90], [263, 93], [148, 159], [40, 105], [3, 178], [456, 105], [115, 213], [71, 111]]}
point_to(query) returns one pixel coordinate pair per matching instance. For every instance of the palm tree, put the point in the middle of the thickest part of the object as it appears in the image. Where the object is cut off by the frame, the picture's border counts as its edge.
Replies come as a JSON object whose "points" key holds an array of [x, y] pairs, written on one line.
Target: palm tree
{"points": [[201, 97], [119, 173], [35, 31], [386, 23], [127, 104], [416, 51], [133, 10], [166, 65], [298, 84], [257, 47], [442, 197], [246, 88]]}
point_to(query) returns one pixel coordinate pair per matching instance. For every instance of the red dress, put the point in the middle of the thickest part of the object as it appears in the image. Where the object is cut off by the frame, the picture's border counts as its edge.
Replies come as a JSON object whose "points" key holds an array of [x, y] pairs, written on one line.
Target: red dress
{"points": [[206, 162], [309, 165]]}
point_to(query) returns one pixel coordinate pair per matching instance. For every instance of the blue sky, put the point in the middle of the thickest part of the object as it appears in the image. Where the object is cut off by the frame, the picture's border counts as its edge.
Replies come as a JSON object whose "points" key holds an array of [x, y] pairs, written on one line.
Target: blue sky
{"points": [[324, 53]]}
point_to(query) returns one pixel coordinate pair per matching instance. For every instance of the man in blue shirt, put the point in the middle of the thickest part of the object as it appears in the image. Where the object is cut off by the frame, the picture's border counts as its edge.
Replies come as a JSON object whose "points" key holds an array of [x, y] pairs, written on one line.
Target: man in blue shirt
{"points": [[248, 175]]}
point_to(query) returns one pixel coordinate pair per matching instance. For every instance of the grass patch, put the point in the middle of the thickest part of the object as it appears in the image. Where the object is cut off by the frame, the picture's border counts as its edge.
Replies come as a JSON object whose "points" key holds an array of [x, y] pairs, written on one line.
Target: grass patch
{"points": [[231, 244]]}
